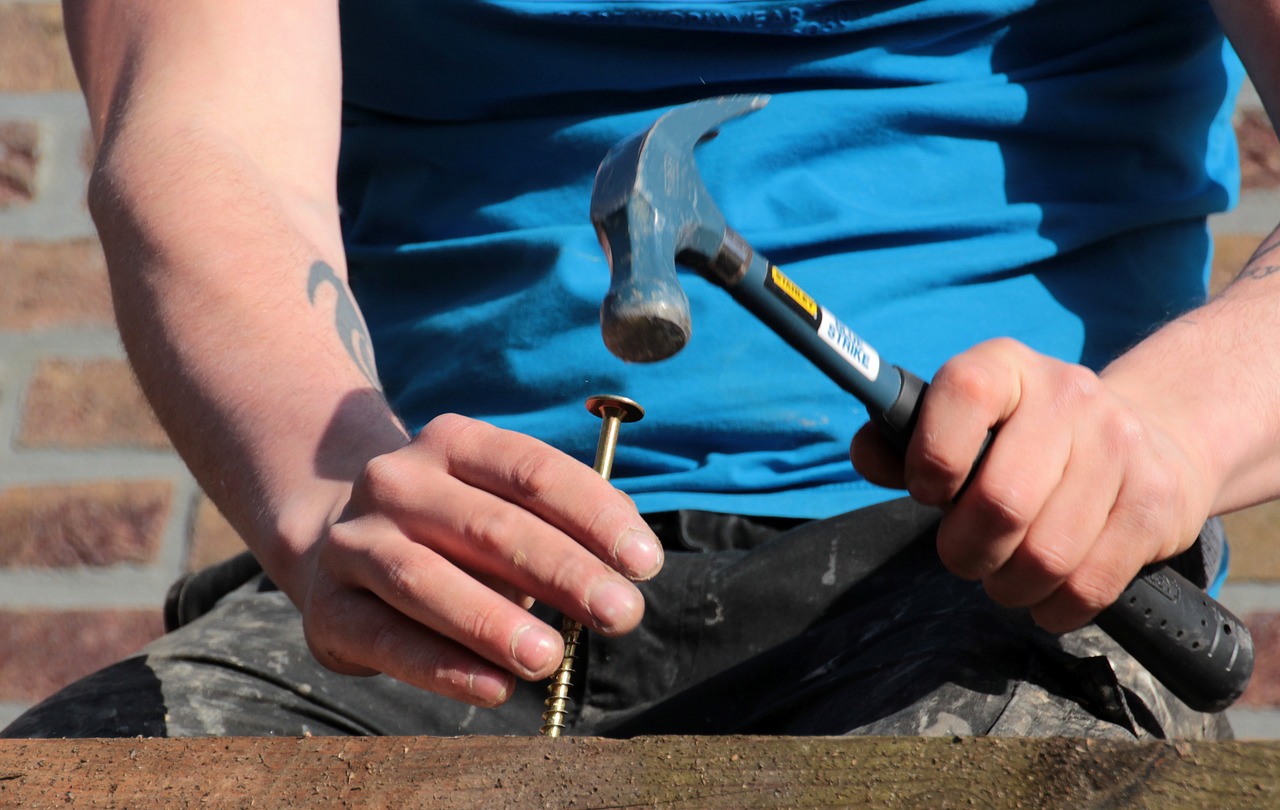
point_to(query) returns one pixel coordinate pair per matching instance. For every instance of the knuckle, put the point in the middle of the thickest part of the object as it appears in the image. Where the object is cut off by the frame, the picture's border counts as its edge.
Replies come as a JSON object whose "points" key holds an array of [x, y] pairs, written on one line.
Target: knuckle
{"points": [[579, 578], [386, 643], [1082, 597], [962, 556], [1076, 387], [490, 529], [1006, 347], [536, 473], [1001, 505], [484, 625], [385, 479], [1048, 560], [403, 581], [932, 477], [967, 378], [1124, 433], [1163, 489], [437, 672], [447, 436], [608, 521], [444, 429]]}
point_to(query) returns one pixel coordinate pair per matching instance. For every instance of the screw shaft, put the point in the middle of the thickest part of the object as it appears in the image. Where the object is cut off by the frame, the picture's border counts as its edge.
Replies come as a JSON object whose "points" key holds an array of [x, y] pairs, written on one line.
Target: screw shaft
{"points": [[613, 411]]}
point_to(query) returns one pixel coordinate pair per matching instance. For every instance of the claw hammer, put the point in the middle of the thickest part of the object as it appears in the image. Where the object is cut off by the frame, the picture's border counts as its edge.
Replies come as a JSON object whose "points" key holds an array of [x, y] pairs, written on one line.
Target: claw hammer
{"points": [[651, 211]]}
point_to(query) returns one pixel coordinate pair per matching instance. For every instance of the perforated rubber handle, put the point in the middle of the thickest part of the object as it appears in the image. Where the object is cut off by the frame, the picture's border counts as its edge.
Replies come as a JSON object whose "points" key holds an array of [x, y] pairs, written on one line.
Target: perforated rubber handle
{"points": [[1184, 637]]}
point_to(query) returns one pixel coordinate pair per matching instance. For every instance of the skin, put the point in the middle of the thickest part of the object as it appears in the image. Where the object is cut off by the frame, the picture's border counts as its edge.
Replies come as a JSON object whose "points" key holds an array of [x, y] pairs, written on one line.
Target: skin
{"points": [[217, 134]]}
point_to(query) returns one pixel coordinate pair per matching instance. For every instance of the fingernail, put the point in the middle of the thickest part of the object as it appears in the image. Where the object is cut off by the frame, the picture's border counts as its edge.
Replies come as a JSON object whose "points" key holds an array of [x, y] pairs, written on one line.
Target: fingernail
{"points": [[639, 553], [612, 604], [535, 648], [489, 687]]}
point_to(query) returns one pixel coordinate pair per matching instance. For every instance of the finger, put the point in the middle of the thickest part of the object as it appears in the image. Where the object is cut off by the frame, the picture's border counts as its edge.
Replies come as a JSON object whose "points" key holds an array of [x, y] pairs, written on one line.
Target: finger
{"points": [[431, 590], [1091, 588], [506, 590], [1061, 537], [481, 532], [876, 459], [368, 637], [562, 491], [1006, 495], [1113, 561], [970, 394]]}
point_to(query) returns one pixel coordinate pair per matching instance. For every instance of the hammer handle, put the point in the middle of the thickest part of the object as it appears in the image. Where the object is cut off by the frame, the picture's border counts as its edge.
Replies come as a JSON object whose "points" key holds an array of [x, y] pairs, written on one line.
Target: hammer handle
{"points": [[1181, 635]]}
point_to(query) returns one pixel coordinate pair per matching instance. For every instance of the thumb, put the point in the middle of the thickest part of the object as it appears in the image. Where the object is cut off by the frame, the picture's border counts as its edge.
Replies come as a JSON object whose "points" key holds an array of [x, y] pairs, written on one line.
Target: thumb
{"points": [[876, 459]]}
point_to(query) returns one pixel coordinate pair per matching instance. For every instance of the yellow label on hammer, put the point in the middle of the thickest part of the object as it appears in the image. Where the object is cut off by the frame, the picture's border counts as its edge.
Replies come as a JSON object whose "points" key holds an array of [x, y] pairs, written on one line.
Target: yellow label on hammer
{"points": [[793, 291]]}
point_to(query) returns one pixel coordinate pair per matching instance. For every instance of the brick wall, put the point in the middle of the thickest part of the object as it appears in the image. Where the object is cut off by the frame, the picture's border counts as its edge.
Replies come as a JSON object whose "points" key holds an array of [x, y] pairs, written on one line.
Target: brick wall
{"points": [[97, 515]]}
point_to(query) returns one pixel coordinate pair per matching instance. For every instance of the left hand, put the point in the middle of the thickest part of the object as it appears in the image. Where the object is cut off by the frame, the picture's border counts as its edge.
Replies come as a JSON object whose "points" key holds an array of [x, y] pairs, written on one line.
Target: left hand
{"points": [[1078, 490]]}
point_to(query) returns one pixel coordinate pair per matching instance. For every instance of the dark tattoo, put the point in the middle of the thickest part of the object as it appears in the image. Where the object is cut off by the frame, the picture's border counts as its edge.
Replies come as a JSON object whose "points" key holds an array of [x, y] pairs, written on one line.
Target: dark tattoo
{"points": [[351, 328], [1263, 250], [1260, 271], [1256, 268]]}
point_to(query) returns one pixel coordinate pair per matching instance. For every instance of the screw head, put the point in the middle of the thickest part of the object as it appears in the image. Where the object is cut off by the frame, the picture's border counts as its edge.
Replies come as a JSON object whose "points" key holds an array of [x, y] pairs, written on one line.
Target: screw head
{"points": [[628, 410]]}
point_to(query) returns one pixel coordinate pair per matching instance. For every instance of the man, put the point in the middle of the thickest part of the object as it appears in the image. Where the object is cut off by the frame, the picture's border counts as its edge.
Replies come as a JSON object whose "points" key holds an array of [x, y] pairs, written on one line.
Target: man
{"points": [[1019, 187]]}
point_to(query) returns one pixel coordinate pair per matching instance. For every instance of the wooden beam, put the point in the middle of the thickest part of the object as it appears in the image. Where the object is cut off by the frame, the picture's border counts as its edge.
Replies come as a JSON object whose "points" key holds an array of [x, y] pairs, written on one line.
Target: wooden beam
{"points": [[673, 772]]}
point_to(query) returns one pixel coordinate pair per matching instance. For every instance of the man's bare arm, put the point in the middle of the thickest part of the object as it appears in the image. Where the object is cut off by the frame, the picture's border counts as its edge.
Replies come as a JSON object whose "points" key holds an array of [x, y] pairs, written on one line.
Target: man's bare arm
{"points": [[213, 195], [217, 127]]}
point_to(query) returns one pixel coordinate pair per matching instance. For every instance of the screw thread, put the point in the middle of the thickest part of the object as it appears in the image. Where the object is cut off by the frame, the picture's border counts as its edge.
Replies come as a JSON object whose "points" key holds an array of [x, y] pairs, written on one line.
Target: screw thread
{"points": [[557, 701]]}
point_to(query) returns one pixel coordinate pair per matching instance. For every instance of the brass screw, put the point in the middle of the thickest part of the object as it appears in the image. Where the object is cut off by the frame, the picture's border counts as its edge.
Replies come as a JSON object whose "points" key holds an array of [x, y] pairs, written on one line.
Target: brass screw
{"points": [[613, 410]]}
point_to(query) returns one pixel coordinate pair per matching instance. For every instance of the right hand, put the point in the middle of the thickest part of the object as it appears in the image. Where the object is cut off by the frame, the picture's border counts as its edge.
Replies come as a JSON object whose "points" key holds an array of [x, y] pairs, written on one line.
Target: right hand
{"points": [[428, 574]]}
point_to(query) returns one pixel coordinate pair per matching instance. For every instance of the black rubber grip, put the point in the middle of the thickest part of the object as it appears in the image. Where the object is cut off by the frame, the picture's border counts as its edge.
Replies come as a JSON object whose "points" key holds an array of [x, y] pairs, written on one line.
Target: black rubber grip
{"points": [[1184, 637]]}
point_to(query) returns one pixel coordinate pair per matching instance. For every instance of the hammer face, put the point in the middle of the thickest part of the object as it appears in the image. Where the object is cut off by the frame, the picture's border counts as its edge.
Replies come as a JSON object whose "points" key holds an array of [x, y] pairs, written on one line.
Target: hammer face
{"points": [[645, 330]]}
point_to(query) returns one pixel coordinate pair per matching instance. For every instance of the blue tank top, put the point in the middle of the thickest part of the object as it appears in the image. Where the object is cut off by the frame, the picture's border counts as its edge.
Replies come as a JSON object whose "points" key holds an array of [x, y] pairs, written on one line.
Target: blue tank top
{"points": [[936, 173]]}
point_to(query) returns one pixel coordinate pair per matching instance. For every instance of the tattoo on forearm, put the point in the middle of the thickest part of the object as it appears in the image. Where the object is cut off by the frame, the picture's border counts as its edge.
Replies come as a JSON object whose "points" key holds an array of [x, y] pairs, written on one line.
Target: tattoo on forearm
{"points": [[1260, 271], [351, 327], [1256, 267]]}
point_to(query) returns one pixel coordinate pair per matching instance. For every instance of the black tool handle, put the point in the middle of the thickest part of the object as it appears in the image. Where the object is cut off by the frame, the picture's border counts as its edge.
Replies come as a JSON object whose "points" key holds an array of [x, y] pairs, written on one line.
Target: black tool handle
{"points": [[1185, 638]]}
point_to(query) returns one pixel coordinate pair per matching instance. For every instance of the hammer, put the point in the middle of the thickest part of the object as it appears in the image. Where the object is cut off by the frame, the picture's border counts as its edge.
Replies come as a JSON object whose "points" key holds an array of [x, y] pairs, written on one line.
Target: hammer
{"points": [[651, 211]]}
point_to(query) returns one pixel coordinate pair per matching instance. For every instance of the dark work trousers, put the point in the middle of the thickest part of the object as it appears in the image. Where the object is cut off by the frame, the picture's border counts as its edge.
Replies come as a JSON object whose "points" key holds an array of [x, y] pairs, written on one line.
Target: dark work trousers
{"points": [[755, 626]]}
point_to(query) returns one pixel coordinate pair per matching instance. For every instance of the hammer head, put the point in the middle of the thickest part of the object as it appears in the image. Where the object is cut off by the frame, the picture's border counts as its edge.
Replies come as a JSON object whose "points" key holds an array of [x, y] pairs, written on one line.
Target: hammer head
{"points": [[650, 207]]}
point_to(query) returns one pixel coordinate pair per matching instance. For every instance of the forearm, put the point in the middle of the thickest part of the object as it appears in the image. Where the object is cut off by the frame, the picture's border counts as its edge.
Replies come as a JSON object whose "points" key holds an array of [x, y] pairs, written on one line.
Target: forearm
{"points": [[1212, 376], [229, 299]]}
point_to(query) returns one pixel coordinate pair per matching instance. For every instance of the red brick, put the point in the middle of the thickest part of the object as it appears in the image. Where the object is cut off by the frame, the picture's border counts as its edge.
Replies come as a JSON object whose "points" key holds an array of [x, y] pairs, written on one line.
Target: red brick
{"points": [[1255, 554], [95, 524], [19, 159], [1264, 689], [1259, 150], [54, 284], [87, 404], [212, 538], [33, 49], [41, 650]]}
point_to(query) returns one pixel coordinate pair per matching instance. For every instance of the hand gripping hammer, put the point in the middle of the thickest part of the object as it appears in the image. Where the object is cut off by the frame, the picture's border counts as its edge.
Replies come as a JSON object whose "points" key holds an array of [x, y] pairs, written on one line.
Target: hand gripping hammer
{"points": [[651, 210]]}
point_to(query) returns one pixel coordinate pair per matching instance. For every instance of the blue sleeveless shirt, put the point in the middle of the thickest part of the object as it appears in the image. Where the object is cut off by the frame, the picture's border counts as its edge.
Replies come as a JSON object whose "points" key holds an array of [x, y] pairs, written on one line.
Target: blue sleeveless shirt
{"points": [[936, 173]]}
